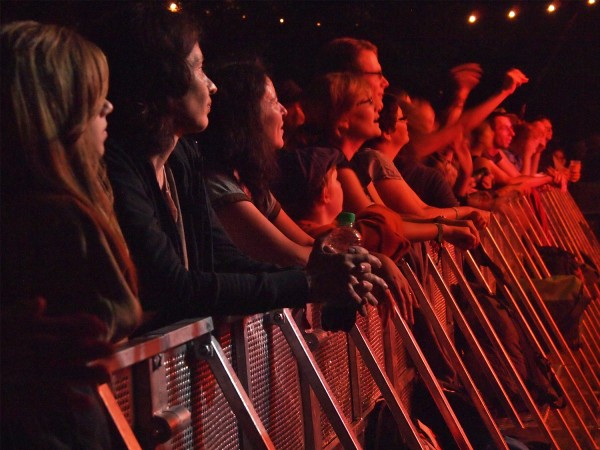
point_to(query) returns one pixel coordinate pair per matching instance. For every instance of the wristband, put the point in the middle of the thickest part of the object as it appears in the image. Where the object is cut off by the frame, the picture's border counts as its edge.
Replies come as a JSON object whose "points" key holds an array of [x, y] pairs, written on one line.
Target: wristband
{"points": [[440, 234], [455, 208]]}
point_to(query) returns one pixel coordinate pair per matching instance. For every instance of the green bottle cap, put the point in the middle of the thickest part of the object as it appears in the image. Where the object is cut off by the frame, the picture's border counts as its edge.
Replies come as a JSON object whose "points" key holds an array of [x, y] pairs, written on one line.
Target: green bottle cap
{"points": [[345, 218]]}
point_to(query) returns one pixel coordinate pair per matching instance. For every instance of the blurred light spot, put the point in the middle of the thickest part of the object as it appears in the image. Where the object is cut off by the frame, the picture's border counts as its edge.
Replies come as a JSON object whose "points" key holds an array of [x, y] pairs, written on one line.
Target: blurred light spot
{"points": [[551, 8], [512, 14], [281, 20], [174, 7], [472, 18]]}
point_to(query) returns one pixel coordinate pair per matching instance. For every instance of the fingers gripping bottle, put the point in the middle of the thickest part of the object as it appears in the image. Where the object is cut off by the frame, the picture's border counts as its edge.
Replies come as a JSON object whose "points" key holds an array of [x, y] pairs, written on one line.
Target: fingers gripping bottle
{"points": [[341, 238], [344, 235]]}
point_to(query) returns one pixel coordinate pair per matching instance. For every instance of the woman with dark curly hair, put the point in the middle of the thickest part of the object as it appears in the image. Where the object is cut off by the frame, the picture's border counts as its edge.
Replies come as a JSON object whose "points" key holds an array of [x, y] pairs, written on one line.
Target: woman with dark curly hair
{"points": [[187, 265], [240, 149]]}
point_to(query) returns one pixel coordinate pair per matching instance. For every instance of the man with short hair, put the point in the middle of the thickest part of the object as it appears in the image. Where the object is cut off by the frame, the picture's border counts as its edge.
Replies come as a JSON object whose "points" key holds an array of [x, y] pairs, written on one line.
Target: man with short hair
{"points": [[354, 55]]}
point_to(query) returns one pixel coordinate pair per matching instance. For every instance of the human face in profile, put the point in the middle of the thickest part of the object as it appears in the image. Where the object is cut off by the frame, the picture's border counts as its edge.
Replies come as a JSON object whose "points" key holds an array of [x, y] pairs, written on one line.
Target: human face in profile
{"points": [[399, 136], [503, 132], [363, 119], [96, 129], [369, 67], [191, 111], [272, 113]]}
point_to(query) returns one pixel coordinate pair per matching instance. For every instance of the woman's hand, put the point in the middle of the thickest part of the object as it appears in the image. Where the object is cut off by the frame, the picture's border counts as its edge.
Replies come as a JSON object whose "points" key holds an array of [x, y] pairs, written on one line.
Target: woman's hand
{"points": [[480, 218], [463, 237], [399, 291], [343, 279]]}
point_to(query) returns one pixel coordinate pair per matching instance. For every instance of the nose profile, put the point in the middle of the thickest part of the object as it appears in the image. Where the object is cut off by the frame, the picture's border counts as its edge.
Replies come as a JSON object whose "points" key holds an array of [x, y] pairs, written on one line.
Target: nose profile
{"points": [[212, 87]]}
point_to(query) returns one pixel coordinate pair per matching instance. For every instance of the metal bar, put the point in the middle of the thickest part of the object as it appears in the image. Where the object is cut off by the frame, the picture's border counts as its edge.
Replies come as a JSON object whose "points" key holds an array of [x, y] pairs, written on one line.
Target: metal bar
{"points": [[283, 318], [118, 418], [547, 339], [399, 413], [234, 392], [550, 324], [426, 307]]}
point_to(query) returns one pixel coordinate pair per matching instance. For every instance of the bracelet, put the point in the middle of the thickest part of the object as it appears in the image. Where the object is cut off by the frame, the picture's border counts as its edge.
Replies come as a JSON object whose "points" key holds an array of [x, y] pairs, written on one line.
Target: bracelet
{"points": [[455, 208], [440, 235]]}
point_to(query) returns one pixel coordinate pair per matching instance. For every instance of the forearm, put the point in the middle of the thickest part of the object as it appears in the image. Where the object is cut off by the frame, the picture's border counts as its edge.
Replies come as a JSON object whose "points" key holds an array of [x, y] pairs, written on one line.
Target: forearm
{"points": [[471, 118]]}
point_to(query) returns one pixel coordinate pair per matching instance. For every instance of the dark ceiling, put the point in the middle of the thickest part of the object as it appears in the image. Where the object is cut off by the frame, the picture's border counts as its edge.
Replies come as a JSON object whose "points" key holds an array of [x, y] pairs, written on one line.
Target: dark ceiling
{"points": [[418, 42]]}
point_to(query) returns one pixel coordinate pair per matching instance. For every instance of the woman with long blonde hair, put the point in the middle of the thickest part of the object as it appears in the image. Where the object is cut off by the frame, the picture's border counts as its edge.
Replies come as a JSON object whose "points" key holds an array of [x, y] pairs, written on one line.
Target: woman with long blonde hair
{"points": [[60, 238]]}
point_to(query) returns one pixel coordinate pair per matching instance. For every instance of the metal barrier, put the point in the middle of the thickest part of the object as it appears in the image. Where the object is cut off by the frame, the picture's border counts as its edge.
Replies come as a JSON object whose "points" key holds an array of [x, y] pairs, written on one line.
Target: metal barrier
{"points": [[263, 381]]}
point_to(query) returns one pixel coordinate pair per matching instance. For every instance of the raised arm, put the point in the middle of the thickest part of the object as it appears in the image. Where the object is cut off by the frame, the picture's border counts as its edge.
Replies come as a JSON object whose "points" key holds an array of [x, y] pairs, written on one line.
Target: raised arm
{"points": [[472, 117]]}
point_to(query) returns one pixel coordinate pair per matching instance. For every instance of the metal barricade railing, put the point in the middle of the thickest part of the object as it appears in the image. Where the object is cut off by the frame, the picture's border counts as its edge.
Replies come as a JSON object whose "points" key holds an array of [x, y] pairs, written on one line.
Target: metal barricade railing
{"points": [[264, 382], [177, 388], [543, 331]]}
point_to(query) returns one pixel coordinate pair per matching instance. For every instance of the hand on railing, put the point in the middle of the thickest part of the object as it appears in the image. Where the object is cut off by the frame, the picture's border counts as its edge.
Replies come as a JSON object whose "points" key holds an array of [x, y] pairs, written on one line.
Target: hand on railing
{"points": [[480, 218], [343, 279], [398, 292], [464, 237]]}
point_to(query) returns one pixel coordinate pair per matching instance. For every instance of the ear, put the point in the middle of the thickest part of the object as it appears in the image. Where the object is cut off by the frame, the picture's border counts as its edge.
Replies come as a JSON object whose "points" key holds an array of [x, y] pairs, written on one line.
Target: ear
{"points": [[386, 136], [325, 196], [343, 126]]}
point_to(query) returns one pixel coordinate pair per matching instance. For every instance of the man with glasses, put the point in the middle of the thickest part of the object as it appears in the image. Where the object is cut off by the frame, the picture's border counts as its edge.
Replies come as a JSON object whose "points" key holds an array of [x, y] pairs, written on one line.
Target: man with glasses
{"points": [[354, 55]]}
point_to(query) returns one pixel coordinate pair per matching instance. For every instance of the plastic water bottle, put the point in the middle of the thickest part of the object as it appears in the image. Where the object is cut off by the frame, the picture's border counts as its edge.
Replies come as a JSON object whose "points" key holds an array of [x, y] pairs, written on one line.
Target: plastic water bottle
{"points": [[341, 238], [344, 235]]}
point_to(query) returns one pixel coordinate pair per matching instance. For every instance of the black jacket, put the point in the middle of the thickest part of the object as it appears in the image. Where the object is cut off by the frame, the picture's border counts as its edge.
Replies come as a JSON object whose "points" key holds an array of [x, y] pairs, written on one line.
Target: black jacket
{"points": [[220, 280]]}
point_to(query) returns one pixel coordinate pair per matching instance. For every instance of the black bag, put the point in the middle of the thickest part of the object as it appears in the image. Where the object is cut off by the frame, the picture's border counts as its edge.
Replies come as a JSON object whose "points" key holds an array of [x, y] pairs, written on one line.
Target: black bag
{"points": [[558, 261], [533, 367], [563, 296]]}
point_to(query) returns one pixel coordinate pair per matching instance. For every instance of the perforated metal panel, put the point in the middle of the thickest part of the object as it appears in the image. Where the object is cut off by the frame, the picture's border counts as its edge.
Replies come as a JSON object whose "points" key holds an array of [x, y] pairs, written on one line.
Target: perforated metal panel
{"points": [[332, 359], [275, 384], [371, 326], [121, 386], [435, 295], [400, 358], [190, 382]]}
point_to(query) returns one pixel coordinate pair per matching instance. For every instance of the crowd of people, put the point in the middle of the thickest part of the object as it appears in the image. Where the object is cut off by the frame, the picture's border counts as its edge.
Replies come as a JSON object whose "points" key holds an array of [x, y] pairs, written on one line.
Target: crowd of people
{"points": [[137, 192]]}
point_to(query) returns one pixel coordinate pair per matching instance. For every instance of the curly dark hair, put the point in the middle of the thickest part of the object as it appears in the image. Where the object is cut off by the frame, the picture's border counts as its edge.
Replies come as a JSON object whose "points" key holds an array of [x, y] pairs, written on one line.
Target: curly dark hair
{"points": [[146, 46], [235, 139]]}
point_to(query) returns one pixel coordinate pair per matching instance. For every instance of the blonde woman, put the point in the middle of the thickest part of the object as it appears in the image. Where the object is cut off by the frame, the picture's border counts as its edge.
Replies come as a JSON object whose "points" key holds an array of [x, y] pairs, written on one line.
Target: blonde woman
{"points": [[60, 238]]}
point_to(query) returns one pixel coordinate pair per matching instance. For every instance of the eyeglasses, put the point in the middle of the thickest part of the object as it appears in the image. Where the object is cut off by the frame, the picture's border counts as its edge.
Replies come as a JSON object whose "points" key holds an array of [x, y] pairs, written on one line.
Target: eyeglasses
{"points": [[378, 74], [364, 102]]}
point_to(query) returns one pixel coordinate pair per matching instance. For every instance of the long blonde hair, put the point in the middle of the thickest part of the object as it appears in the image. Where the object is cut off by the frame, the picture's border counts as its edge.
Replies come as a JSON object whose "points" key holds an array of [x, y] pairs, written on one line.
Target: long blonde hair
{"points": [[53, 83]]}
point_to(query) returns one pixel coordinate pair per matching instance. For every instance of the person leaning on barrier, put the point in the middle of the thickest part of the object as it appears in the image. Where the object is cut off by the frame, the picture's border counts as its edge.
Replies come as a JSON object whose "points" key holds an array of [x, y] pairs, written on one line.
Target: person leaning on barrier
{"points": [[68, 283], [187, 265]]}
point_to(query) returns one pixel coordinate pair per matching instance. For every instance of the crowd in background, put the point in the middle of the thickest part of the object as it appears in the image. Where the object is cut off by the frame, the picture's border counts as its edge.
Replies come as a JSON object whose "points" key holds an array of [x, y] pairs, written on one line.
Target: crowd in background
{"points": [[212, 194]]}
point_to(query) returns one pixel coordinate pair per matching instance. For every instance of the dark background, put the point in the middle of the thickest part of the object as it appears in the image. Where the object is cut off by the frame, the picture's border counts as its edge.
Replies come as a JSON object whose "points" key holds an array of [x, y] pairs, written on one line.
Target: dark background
{"points": [[418, 42]]}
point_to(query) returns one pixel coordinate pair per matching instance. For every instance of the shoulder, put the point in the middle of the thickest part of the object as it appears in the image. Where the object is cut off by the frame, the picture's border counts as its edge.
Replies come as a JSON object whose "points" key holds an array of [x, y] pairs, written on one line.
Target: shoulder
{"points": [[223, 189], [376, 164]]}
